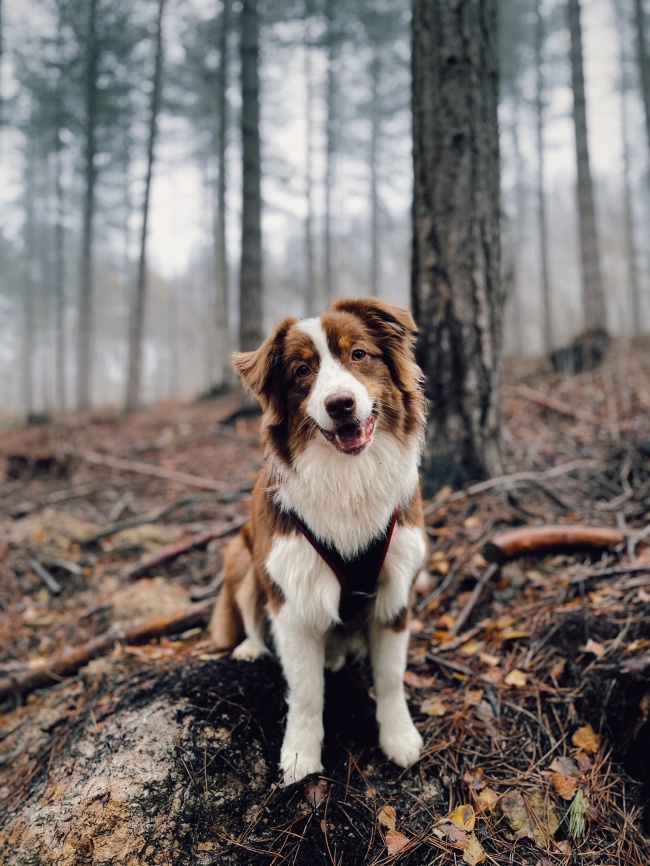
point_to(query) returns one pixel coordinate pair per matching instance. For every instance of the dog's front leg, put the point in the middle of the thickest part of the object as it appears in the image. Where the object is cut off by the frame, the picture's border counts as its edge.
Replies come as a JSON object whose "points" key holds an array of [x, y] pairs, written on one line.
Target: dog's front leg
{"points": [[302, 654], [398, 737]]}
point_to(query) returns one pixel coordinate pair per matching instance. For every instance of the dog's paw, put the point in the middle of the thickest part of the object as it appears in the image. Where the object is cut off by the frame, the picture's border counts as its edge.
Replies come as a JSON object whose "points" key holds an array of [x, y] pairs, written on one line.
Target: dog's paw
{"points": [[401, 743], [296, 765], [248, 650]]}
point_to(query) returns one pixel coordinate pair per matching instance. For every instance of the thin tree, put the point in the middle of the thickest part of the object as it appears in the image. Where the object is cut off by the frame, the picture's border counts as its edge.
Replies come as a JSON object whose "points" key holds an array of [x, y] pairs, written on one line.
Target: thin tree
{"points": [[222, 303], [85, 315], [547, 327], [310, 274], [331, 138], [456, 288], [644, 60], [134, 380], [593, 293], [250, 279]]}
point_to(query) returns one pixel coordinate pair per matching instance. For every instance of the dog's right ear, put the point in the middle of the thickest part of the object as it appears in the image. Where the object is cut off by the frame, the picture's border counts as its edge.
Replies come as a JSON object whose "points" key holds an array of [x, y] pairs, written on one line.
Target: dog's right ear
{"points": [[261, 370]]}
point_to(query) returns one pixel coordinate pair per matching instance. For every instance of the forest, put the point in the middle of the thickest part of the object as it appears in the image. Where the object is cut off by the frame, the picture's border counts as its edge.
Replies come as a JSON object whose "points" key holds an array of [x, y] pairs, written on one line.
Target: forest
{"points": [[175, 179]]}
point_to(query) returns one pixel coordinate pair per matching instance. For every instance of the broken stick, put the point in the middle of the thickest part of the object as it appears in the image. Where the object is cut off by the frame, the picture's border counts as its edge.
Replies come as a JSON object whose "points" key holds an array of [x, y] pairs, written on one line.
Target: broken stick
{"points": [[544, 539], [55, 668]]}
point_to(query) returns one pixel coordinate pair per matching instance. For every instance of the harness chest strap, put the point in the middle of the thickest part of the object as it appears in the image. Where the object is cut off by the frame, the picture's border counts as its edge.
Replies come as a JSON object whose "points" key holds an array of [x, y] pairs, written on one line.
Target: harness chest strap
{"points": [[357, 577]]}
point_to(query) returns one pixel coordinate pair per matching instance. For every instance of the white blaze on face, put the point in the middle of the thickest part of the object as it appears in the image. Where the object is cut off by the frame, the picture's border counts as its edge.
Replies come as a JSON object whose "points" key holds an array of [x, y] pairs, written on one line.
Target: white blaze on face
{"points": [[332, 378]]}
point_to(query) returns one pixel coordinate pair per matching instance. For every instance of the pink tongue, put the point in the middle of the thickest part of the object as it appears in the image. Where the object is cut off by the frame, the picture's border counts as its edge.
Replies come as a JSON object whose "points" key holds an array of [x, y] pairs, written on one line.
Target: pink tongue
{"points": [[350, 434]]}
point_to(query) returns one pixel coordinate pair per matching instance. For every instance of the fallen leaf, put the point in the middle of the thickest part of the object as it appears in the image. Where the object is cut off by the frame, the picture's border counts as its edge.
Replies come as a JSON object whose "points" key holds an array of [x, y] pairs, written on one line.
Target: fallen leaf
{"points": [[487, 799], [475, 778], [584, 761], [395, 841], [565, 786], [473, 697], [558, 669], [417, 681], [587, 739], [564, 764], [514, 634], [387, 817], [532, 816], [315, 792], [516, 678], [463, 817], [474, 852], [594, 648], [489, 659], [447, 830], [433, 707], [564, 847]]}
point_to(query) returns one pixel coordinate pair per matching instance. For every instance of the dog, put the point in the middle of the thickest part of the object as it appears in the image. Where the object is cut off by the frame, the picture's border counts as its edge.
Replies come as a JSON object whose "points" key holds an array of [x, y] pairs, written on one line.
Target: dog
{"points": [[326, 563]]}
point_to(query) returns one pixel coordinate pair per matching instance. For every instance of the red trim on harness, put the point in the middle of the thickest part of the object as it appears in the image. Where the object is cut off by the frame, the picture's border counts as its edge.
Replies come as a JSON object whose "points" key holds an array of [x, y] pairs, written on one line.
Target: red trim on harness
{"points": [[340, 576]]}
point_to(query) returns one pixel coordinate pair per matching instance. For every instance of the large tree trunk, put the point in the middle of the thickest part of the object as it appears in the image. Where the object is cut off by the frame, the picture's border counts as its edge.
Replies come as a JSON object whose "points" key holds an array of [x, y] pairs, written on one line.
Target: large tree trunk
{"points": [[456, 286], [593, 294], [85, 314], [222, 303], [250, 285], [547, 327], [134, 381]]}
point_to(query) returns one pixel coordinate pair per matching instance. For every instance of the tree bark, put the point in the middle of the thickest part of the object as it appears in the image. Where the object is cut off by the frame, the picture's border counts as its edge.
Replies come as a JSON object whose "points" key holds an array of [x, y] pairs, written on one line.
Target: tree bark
{"points": [[593, 294], [134, 381], [456, 286], [85, 315], [310, 274], [547, 326], [330, 146], [375, 122], [250, 285]]}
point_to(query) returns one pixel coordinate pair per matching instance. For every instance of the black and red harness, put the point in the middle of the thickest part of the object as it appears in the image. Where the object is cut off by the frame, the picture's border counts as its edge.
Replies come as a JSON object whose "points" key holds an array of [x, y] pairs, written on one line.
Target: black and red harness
{"points": [[357, 577]]}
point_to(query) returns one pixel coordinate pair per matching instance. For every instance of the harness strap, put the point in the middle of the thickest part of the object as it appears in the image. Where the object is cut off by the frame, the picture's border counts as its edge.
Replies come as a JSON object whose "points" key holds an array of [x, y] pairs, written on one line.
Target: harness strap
{"points": [[357, 577]]}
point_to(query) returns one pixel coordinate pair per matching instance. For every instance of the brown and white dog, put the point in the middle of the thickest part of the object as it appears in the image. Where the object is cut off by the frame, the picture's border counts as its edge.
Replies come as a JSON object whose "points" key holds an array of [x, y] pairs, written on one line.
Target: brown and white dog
{"points": [[326, 563]]}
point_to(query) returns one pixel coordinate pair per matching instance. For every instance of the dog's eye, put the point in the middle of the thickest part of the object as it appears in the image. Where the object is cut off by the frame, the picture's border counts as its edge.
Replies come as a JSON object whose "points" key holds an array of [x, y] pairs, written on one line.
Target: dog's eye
{"points": [[358, 354], [302, 371]]}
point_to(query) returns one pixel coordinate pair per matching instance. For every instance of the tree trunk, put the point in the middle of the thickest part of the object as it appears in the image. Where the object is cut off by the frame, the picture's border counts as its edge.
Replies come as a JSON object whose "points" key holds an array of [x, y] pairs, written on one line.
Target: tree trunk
{"points": [[85, 314], [250, 285], [310, 275], [517, 282], [644, 61], [375, 67], [547, 326], [224, 372], [628, 212], [330, 146], [29, 291], [134, 382], [593, 294], [456, 287]]}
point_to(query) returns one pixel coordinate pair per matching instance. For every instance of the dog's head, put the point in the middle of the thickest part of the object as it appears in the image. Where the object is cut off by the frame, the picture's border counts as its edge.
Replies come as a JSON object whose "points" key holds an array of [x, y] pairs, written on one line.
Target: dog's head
{"points": [[337, 378]]}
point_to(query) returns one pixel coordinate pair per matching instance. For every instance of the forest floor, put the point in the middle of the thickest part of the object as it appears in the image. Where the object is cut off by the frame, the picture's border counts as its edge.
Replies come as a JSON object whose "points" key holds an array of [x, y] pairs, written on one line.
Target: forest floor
{"points": [[125, 739]]}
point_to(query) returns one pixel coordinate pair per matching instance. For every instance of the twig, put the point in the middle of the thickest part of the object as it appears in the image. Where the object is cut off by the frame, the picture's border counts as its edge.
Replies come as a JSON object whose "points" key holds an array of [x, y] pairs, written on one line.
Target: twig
{"points": [[24, 508], [541, 539], [123, 465], [174, 550], [614, 571], [50, 582], [471, 602], [51, 670], [553, 404]]}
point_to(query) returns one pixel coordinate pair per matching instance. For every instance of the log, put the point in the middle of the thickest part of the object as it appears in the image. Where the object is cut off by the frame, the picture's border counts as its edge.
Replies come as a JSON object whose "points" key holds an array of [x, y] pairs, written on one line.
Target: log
{"points": [[544, 539], [55, 668]]}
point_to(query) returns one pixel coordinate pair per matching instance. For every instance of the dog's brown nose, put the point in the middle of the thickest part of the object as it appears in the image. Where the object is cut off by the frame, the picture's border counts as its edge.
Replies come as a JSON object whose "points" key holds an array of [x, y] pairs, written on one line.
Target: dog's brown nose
{"points": [[341, 405]]}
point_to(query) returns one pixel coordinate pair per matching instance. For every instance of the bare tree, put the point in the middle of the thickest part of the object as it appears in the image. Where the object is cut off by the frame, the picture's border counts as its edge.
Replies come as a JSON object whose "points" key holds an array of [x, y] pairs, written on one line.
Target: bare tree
{"points": [[644, 60], [134, 379], [310, 293], [456, 286], [593, 293], [547, 327], [250, 280]]}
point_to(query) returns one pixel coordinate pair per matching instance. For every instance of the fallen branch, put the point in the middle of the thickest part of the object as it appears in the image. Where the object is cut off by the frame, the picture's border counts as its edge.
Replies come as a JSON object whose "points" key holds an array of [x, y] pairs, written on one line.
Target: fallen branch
{"points": [[123, 465], [55, 668], [543, 539], [554, 404], [472, 601], [174, 550], [50, 582]]}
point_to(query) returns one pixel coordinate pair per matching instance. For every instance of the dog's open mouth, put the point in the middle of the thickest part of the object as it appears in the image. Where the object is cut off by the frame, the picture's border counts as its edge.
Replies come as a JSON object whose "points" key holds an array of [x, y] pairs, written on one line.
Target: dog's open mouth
{"points": [[351, 438]]}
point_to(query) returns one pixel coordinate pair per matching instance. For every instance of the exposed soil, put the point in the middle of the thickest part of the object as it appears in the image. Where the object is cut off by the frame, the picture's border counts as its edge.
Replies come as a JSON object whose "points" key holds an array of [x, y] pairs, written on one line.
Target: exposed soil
{"points": [[530, 682]]}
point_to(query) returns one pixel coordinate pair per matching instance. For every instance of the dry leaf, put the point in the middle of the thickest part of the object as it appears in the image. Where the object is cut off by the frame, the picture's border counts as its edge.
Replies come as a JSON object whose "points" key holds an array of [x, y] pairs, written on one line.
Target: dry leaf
{"points": [[514, 634], [446, 830], [584, 761], [387, 817], [516, 678], [564, 764], [532, 817], [475, 778], [433, 707], [565, 786], [417, 681], [473, 697], [463, 817], [487, 799], [558, 669], [595, 648], [489, 659], [587, 739], [395, 841], [474, 852]]}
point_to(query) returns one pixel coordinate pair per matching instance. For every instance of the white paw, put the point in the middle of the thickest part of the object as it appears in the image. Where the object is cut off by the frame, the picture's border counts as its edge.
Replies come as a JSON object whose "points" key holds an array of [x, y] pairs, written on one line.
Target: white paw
{"points": [[296, 765], [401, 743], [248, 650]]}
